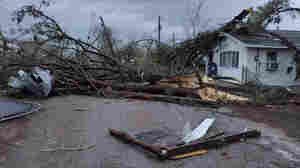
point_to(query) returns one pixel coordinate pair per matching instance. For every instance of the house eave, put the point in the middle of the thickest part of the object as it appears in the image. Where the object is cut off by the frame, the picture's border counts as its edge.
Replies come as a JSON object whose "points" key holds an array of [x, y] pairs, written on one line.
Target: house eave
{"points": [[262, 46], [252, 45]]}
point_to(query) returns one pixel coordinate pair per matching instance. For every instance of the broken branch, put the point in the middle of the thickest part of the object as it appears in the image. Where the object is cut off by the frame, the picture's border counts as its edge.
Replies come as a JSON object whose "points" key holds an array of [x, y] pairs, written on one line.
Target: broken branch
{"points": [[81, 148]]}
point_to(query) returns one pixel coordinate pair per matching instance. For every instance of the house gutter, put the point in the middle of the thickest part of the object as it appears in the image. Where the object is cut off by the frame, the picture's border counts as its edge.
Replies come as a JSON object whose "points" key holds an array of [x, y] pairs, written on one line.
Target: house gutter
{"points": [[250, 45]]}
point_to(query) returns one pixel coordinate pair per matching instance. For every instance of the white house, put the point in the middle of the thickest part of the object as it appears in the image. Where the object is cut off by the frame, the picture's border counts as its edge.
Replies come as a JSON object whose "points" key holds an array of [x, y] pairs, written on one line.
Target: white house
{"points": [[257, 56]]}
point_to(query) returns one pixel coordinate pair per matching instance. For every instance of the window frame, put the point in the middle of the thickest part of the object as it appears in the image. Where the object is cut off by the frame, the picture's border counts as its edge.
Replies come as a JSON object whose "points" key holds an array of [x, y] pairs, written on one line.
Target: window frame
{"points": [[229, 59], [272, 61]]}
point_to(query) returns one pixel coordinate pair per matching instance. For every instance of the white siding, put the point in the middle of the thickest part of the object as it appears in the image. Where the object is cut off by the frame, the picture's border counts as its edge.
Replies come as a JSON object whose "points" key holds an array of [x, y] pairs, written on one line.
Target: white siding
{"points": [[278, 77], [230, 44]]}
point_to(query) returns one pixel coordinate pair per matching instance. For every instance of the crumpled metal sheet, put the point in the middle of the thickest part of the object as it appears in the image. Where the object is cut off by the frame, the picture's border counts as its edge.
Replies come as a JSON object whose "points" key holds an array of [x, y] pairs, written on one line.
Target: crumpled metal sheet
{"points": [[10, 109]]}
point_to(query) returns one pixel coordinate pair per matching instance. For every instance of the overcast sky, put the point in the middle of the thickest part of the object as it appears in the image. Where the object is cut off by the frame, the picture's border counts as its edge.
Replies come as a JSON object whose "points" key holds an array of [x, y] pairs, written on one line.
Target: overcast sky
{"points": [[133, 19]]}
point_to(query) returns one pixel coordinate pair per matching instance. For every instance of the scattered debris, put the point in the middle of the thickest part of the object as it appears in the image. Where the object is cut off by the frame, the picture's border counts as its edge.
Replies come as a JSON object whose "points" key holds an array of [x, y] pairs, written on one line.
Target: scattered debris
{"points": [[13, 109], [216, 135], [158, 151], [183, 150], [81, 148], [81, 109], [213, 143], [187, 81], [37, 82]]}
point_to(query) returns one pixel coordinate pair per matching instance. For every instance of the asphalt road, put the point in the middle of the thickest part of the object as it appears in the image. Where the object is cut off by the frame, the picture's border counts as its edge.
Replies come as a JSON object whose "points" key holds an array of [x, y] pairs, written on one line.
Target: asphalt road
{"points": [[51, 137]]}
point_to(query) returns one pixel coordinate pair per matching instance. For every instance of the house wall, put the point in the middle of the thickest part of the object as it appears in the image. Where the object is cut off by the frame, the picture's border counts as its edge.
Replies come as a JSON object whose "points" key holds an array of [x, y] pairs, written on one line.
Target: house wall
{"points": [[279, 77], [229, 44]]}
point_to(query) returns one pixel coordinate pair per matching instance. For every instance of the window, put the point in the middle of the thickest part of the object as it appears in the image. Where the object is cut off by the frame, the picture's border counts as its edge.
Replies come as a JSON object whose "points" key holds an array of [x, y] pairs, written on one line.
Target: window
{"points": [[229, 59], [272, 64], [235, 59], [222, 60]]}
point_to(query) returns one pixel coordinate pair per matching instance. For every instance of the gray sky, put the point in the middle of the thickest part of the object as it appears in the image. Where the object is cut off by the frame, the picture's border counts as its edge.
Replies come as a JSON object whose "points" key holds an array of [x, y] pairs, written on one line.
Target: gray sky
{"points": [[133, 19]]}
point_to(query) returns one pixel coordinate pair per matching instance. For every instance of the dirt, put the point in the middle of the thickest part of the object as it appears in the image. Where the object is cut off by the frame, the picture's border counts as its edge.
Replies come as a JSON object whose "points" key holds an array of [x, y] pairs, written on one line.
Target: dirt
{"points": [[76, 121], [10, 135], [284, 117]]}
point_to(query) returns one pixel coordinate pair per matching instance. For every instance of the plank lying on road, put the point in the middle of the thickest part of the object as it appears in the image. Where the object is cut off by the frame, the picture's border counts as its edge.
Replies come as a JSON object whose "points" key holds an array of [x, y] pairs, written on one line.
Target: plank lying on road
{"points": [[214, 143], [192, 149]]}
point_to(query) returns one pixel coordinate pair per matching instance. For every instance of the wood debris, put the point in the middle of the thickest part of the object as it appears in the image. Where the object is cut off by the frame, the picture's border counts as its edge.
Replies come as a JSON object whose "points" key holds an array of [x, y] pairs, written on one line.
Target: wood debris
{"points": [[80, 148], [185, 150]]}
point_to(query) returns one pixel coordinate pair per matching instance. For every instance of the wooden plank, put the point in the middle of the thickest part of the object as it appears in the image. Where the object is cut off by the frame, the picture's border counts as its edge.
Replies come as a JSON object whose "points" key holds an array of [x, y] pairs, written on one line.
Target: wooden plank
{"points": [[191, 154], [214, 143], [158, 151], [188, 150]]}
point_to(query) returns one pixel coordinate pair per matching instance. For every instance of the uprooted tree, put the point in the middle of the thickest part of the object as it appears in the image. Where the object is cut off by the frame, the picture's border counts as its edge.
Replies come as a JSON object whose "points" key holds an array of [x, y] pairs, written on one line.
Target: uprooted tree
{"points": [[95, 63], [248, 21], [83, 67], [187, 54]]}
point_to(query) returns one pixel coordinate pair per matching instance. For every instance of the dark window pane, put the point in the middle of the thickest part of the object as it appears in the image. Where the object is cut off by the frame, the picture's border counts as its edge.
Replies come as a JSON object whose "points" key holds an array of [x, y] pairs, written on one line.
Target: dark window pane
{"points": [[272, 64], [229, 59]]}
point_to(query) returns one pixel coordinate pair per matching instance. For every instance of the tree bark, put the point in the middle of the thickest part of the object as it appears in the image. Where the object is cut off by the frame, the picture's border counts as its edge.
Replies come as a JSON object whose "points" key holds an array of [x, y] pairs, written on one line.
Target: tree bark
{"points": [[162, 90], [165, 98]]}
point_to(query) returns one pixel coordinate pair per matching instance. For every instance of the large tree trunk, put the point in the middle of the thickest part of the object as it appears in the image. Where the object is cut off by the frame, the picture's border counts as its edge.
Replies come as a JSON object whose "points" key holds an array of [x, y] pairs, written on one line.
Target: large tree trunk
{"points": [[162, 90], [165, 98]]}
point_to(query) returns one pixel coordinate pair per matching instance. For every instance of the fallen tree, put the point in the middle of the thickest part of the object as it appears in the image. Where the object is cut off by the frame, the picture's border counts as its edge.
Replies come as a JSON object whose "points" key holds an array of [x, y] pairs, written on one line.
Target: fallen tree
{"points": [[81, 67], [48, 32]]}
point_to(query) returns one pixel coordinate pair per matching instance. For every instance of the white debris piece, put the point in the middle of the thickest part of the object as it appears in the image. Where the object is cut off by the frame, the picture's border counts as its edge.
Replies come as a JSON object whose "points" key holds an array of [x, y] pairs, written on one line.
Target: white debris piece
{"points": [[200, 131]]}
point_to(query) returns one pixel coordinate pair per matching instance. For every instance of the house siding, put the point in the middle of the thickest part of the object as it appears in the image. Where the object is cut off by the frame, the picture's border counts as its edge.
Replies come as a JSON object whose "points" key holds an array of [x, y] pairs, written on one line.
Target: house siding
{"points": [[249, 70], [229, 44], [280, 77]]}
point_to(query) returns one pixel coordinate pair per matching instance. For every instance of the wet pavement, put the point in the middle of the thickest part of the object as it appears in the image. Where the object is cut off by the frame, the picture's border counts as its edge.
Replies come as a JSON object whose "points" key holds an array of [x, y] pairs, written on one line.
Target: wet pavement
{"points": [[77, 121]]}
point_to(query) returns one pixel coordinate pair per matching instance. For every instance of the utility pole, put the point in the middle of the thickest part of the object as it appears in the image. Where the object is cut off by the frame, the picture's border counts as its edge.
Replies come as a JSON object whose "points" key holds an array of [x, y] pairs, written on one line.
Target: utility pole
{"points": [[159, 30], [173, 39]]}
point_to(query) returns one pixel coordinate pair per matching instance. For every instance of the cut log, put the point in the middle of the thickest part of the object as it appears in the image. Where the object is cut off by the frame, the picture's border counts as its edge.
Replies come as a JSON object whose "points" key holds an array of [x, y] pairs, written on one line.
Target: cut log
{"points": [[162, 90], [166, 98], [225, 88]]}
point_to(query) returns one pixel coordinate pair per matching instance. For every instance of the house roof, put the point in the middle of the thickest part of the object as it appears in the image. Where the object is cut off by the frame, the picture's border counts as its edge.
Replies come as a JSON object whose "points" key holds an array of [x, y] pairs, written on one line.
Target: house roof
{"points": [[263, 40]]}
